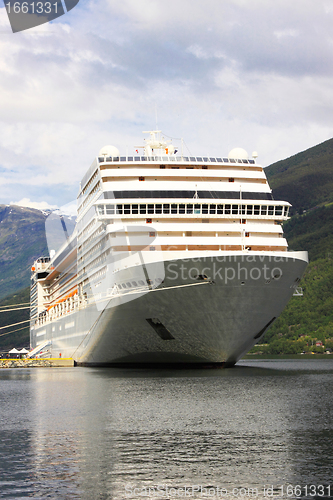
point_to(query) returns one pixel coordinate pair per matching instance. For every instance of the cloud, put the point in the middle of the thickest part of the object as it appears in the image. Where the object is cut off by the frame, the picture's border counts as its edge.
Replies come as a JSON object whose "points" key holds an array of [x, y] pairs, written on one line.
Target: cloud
{"points": [[38, 205], [220, 74]]}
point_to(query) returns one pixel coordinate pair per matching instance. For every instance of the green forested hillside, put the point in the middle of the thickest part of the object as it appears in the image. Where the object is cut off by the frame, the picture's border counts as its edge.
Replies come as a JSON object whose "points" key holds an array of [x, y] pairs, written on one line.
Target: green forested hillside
{"points": [[312, 231], [305, 179], [16, 336]]}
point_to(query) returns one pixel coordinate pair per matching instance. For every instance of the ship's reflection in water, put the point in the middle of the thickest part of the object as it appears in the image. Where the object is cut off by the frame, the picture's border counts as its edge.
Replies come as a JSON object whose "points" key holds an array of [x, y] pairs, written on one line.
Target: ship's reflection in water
{"points": [[113, 433]]}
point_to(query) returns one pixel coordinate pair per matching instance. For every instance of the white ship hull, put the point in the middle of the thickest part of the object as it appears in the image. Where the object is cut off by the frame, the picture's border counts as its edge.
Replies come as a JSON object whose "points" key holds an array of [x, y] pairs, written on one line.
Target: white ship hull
{"points": [[215, 318]]}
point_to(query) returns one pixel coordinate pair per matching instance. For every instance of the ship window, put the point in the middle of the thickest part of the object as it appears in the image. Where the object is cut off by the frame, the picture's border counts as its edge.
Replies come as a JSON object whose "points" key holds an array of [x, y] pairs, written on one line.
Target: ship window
{"points": [[128, 284], [166, 209], [119, 209], [42, 275], [243, 221], [219, 160], [141, 283], [199, 158], [134, 283], [130, 158], [143, 209], [152, 234], [158, 208], [123, 285], [270, 210], [148, 221], [204, 167], [192, 158], [231, 179], [136, 158], [256, 210], [181, 208], [205, 209], [162, 166], [212, 209], [135, 209], [242, 210], [205, 159], [173, 209], [189, 209], [175, 168], [235, 209], [249, 209], [247, 235], [110, 210], [127, 209], [197, 209], [141, 178], [226, 211], [150, 209], [213, 159], [278, 210], [286, 210], [152, 249], [264, 210], [100, 210]]}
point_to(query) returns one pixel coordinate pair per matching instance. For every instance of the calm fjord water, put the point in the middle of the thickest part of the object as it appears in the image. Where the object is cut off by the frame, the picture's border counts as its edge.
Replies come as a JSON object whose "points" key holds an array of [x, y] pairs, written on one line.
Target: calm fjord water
{"points": [[80, 433]]}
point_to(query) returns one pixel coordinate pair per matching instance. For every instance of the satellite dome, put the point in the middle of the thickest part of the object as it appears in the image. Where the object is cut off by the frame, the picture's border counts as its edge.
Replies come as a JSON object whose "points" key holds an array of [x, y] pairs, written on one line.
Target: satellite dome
{"points": [[109, 151], [238, 154]]}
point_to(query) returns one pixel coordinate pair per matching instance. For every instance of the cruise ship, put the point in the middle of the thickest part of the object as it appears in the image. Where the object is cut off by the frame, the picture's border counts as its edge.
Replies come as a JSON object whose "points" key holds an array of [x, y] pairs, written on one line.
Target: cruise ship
{"points": [[173, 260]]}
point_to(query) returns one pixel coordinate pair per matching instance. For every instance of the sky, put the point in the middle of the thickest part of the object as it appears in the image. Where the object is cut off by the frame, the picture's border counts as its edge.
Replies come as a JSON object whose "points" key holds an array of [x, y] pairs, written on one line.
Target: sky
{"points": [[255, 74]]}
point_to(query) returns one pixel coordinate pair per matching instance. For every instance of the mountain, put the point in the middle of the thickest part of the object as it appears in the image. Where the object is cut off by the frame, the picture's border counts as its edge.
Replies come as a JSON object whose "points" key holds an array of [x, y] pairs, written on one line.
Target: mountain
{"points": [[305, 179], [312, 231], [16, 336], [22, 240]]}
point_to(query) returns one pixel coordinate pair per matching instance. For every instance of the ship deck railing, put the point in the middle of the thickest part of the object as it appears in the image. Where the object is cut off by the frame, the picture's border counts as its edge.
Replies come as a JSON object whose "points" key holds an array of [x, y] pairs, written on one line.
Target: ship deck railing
{"points": [[173, 158], [96, 298], [70, 306]]}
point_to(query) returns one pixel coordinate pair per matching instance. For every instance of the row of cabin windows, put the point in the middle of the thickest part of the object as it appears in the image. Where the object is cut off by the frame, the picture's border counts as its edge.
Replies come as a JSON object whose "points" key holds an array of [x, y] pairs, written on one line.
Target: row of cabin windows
{"points": [[172, 158], [192, 208]]}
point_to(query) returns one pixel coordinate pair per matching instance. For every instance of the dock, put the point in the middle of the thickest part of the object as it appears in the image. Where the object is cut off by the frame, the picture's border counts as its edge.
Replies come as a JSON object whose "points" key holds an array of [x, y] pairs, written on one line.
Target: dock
{"points": [[36, 363]]}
